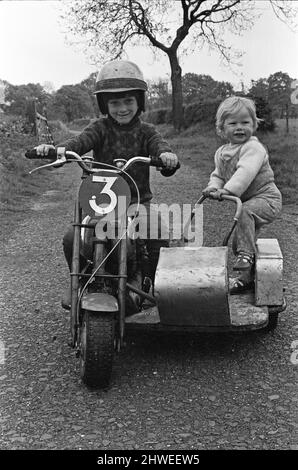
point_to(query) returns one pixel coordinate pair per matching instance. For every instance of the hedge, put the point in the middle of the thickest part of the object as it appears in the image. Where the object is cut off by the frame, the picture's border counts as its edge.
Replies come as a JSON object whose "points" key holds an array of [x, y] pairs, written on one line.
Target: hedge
{"points": [[205, 111]]}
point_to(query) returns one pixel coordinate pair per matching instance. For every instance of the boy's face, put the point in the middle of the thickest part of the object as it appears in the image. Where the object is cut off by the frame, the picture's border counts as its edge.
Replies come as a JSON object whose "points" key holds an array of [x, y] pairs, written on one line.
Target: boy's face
{"points": [[238, 127], [124, 109]]}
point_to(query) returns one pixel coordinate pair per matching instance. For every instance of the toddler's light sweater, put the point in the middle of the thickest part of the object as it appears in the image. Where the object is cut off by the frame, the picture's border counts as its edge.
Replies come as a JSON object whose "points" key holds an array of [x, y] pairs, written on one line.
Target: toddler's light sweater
{"points": [[243, 169]]}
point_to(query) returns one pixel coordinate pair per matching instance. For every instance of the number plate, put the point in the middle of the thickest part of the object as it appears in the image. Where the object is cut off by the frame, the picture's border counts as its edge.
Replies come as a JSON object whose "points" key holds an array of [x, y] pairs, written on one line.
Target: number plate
{"points": [[103, 194]]}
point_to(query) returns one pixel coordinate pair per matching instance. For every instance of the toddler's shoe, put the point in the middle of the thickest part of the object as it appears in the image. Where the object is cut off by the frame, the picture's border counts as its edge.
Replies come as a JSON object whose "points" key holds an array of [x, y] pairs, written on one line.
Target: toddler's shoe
{"points": [[238, 285], [244, 262]]}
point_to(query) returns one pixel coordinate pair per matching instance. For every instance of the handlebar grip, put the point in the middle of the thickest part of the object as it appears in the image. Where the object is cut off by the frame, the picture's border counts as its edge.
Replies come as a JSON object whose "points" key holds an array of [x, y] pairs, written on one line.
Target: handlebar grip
{"points": [[31, 154], [167, 172], [157, 161]]}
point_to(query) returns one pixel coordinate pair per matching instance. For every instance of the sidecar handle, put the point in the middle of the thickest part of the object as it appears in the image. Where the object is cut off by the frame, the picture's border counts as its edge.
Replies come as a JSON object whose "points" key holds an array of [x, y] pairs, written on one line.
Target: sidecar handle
{"points": [[227, 197], [237, 201]]}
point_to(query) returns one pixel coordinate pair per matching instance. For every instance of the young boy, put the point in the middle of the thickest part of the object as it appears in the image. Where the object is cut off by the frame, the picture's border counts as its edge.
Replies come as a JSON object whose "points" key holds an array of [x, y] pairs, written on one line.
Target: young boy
{"points": [[242, 169], [120, 92]]}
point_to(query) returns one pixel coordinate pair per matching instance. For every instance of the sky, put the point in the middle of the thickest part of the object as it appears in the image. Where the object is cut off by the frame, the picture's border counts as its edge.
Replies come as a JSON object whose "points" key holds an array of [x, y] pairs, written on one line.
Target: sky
{"points": [[34, 48]]}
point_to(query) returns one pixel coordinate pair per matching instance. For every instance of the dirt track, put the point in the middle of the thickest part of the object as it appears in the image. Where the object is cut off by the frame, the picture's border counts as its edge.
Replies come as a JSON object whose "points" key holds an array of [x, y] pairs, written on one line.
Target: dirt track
{"points": [[204, 392]]}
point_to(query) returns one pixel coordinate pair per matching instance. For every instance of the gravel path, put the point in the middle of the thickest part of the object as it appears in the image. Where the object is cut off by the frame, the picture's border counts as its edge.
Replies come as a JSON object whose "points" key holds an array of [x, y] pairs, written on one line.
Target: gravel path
{"points": [[168, 392]]}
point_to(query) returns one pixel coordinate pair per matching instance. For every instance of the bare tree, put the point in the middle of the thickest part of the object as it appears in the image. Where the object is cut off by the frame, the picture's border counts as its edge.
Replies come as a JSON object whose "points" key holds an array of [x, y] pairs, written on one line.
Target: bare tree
{"points": [[166, 24]]}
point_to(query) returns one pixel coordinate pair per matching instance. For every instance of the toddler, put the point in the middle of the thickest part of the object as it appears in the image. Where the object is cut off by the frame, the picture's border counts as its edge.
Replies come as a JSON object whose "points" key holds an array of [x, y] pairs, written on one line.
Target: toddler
{"points": [[242, 169]]}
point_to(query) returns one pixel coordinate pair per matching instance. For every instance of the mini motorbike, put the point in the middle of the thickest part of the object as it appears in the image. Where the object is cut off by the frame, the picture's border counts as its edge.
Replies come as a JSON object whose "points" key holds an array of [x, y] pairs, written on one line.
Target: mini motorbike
{"points": [[191, 287], [99, 301]]}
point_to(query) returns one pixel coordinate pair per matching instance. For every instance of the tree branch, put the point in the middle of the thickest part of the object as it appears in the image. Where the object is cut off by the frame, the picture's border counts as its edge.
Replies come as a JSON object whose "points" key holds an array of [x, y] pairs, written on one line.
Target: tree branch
{"points": [[143, 27]]}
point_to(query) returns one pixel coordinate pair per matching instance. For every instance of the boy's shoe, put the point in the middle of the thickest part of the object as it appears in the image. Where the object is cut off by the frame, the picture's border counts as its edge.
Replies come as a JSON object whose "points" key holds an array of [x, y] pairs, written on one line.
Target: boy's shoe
{"points": [[133, 303], [238, 285], [66, 299], [244, 262]]}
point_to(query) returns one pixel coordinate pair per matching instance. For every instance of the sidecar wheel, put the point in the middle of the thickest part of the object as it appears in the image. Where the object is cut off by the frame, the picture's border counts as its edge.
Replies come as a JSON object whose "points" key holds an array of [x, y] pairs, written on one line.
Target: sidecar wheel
{"points": [[273, 322], [97, 348]]}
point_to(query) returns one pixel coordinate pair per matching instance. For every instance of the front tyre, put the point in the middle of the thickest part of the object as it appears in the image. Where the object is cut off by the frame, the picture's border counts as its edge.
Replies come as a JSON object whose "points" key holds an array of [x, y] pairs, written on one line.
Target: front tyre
{"points": [[97, 348]]}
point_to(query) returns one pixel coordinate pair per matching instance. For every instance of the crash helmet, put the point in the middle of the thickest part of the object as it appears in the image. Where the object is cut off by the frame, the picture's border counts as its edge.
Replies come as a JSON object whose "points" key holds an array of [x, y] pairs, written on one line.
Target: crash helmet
{"points": [[115, 79]]}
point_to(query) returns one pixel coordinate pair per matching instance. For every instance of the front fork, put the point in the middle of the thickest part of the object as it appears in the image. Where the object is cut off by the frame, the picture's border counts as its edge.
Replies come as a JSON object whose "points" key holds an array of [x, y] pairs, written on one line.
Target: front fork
{"points": [[122, 257], [74, 275], [100, 252]]}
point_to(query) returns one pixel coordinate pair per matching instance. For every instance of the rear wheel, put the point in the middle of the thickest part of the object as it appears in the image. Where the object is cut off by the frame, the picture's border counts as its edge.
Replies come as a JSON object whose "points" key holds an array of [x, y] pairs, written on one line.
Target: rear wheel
{"points": [[274, 312], [272, 322], [97, 348]]}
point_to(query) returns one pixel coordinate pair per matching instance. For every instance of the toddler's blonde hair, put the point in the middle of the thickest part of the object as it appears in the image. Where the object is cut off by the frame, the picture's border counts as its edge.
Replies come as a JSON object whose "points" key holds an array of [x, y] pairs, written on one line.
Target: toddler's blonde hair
{"points": [[233, 105]]}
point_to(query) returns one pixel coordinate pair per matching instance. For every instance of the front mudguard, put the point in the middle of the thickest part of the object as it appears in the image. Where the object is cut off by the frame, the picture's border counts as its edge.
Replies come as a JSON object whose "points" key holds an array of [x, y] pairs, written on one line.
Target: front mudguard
{"points": [[100, 302]]}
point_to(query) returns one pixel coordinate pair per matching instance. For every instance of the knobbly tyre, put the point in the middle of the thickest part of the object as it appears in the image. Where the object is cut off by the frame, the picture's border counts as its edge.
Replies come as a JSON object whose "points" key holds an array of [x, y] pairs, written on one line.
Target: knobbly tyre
{"points": [[191, 289], [99, 301]]}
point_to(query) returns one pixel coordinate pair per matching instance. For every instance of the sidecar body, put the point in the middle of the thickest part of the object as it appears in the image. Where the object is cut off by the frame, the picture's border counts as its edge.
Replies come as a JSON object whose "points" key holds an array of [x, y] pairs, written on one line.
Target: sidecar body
{"points": [[192, 291]]}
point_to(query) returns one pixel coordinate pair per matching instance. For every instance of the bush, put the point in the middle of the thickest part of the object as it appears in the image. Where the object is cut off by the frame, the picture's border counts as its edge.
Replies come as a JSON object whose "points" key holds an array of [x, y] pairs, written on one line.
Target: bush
{"points": [[79, 124], [201, 111], [158, 116], [193, 113], [264, 112], [56, 126]]}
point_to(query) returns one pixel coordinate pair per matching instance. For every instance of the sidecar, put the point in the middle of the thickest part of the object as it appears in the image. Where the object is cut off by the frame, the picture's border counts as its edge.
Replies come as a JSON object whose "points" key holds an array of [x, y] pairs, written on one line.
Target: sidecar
{"points": [[192, 291]]}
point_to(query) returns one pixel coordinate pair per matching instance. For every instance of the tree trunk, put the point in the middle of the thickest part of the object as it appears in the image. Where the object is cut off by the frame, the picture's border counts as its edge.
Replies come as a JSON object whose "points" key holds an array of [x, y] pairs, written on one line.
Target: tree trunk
{"points": [[177, 99]]}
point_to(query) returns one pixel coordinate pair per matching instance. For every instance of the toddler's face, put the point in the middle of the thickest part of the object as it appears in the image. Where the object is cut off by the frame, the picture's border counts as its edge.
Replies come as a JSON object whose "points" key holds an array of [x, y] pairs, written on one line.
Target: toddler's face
{"points": [[238, 127], [123, 109]]}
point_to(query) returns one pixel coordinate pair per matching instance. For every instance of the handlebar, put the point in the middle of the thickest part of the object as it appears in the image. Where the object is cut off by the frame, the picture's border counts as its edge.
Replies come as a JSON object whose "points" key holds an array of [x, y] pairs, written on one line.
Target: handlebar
{"points": [[32, 154], [69, 156]]}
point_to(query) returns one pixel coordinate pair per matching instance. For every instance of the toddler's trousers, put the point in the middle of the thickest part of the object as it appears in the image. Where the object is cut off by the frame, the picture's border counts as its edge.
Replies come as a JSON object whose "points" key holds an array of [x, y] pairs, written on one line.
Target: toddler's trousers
{"points": [[256, 212]]}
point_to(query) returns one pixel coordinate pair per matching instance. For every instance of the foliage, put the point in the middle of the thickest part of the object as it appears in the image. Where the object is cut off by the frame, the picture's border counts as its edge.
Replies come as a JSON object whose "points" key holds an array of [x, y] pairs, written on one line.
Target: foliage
{"points": [[17, 187], [158, 116], [110, 25], [89, 85], [264, 112], [19, 99], [70, 102], [205, 111], [78, 124], [158, 94], [276, 90], [13, 125], [279, 92], [259, 88], [203, 87]]}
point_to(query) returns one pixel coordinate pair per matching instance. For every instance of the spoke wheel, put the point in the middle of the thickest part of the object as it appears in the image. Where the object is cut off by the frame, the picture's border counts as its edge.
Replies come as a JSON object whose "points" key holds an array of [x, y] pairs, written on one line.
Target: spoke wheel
{"points": [[97, 342]]}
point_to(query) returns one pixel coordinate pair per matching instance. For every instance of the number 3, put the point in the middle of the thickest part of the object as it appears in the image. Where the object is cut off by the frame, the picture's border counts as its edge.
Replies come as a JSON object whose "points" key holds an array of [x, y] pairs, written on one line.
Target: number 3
{"points": [[109, 181]]}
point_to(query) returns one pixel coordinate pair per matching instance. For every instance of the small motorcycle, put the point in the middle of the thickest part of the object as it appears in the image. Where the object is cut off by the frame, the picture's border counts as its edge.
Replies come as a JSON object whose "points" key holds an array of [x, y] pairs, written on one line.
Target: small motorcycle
{"points": [[99, 289], [191, 286]]}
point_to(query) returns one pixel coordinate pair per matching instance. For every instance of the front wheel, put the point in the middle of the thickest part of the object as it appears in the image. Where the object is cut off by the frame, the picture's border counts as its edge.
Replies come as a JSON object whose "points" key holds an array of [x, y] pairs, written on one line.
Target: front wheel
{"points": [[97, 348]]}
